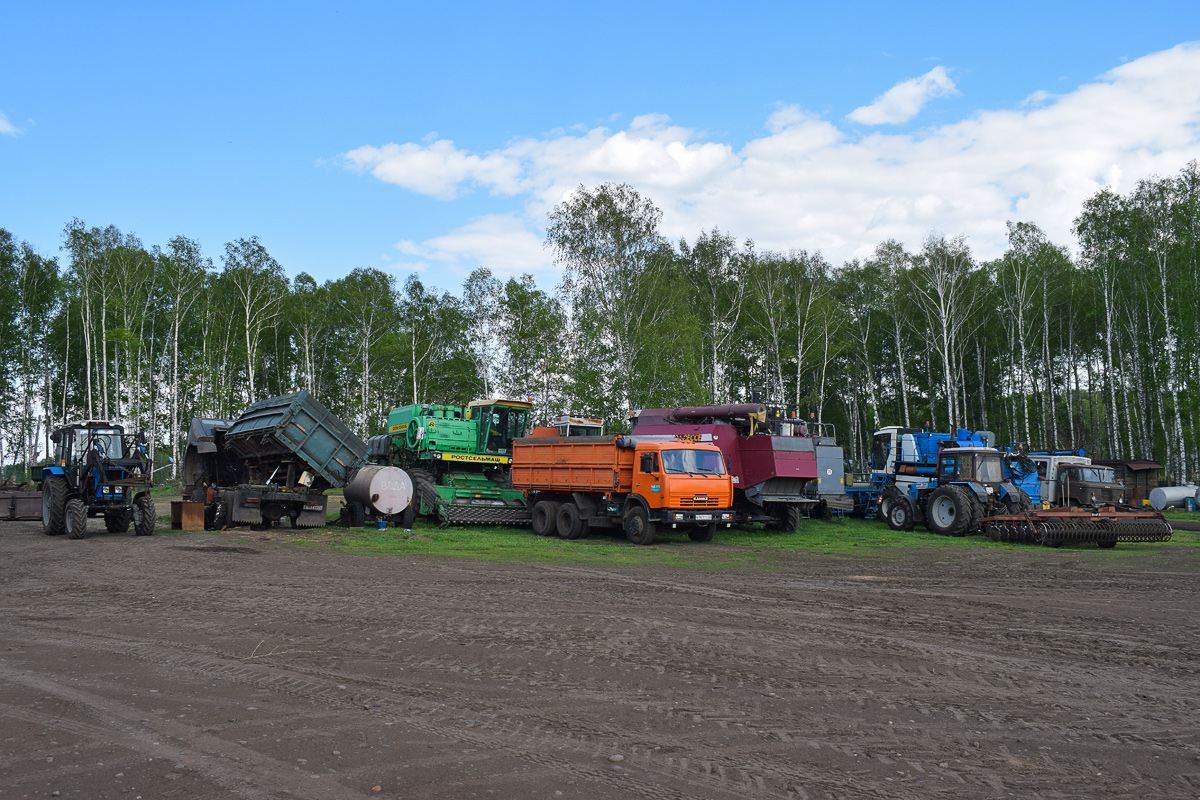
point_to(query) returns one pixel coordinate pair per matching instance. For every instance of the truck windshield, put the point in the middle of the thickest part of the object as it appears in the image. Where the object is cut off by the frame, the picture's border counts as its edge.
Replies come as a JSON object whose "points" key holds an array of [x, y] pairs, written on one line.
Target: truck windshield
{"points": [[705, 462], [1094, 475], [500, 426], [987, 469]]}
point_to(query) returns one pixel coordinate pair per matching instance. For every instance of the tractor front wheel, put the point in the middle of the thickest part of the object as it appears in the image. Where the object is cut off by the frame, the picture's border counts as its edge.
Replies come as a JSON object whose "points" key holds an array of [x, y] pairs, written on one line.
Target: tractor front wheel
{"points": [[54, 506], [143, 515], [76, 518]]}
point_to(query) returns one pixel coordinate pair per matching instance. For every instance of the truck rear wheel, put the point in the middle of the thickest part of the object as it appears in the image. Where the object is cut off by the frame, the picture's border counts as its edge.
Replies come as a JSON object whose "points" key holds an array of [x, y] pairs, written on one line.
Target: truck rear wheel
{"points": [[54, 502], [118, 521], [570, 524], [947, 513], [143, 515], [76, 518], [544, 518], [703, 533], [638, 527]]}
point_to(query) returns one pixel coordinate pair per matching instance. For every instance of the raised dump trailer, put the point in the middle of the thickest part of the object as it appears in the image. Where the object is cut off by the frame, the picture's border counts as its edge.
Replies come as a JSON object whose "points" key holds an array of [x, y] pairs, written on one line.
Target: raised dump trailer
{"points": [[276, 460], [578, 483]]}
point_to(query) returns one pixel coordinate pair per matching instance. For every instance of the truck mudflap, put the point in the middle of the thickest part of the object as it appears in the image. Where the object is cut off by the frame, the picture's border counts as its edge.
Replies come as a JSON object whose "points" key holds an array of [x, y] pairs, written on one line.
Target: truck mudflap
{"points": [[1103, 527], [251, 506]]}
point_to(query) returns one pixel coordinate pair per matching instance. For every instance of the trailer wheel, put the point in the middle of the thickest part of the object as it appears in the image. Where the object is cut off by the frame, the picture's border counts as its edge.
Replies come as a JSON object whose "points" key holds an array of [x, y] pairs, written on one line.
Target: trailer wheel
{"points": [[638, 527], [408, 516], [899, 514], [54, 502], [118, 521], [356, 515], [787, 517], [143, 515], [947, 513], [703, 533], [570, 524], [544, 518], [76, 518]]}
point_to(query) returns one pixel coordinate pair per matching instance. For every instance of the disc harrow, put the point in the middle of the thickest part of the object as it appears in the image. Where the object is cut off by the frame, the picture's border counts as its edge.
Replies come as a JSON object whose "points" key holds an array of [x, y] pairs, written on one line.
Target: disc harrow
{"points": [[1103, 527]]}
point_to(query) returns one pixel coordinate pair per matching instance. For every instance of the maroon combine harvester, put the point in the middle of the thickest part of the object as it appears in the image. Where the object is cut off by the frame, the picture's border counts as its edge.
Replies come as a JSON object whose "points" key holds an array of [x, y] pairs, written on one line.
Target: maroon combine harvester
{"points": [[783, 469]]}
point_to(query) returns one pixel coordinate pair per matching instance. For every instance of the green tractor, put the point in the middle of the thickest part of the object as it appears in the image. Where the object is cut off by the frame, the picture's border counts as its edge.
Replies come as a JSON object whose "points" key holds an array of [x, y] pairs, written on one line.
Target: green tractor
{"points": [[458, 459]]}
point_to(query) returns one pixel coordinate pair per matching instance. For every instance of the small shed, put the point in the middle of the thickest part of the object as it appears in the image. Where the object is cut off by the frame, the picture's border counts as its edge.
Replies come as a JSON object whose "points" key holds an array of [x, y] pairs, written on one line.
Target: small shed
{"points": [[1138, 475]]}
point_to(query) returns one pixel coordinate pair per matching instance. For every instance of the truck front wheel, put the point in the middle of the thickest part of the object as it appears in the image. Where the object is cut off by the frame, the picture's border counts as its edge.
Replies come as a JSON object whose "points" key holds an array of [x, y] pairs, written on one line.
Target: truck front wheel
{"points": [[638, 527], [570, 524]]}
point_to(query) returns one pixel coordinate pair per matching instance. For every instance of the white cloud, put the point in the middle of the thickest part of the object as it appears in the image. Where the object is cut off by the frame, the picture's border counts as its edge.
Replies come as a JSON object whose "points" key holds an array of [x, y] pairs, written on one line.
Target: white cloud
{"points": [[806, 183], [7, 127], [500, 242], [905, 100]]}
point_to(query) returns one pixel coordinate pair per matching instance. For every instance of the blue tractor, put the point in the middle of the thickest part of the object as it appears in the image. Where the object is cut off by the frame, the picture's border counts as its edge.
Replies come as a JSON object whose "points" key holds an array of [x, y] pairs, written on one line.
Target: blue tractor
{"points": [[951, 483]]}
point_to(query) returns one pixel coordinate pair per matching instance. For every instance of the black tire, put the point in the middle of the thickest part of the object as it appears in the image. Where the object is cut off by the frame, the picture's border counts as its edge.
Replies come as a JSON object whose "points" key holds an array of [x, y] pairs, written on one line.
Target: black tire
{"points": [[424, 491], [947, 512], [703, 533], [1018, 501], [974, 508], [76, 513], [900, 514], [356, 515], [118, 521], [54, 506], [215, 517], [408, 516], [569, 523], [1106, 544], [144, 517], [787, 517], [544, 518], [638, 527]]}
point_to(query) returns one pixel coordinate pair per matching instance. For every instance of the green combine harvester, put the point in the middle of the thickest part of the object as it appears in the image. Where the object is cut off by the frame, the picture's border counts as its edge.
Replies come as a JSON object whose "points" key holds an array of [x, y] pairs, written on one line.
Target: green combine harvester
{"points": [[458, 459]]}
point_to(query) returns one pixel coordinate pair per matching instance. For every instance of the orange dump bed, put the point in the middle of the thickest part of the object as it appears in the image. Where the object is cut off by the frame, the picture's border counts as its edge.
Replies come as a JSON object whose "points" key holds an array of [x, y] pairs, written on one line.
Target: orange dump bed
{"points": [[575, 464]]}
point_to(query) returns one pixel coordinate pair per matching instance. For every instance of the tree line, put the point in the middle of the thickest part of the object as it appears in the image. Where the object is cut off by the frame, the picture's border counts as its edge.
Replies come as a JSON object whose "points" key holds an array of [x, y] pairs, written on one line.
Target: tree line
{"points": [[1099, 350]]}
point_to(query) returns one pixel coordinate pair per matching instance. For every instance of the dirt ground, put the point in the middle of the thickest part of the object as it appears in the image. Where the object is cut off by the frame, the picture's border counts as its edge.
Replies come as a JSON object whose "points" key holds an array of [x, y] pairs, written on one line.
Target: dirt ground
{"points": [[201, 665]]}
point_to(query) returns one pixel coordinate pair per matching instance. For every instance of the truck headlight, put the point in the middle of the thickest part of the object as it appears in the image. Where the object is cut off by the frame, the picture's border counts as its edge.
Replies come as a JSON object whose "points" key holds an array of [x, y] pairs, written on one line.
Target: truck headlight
{"points": [[677, 516]]}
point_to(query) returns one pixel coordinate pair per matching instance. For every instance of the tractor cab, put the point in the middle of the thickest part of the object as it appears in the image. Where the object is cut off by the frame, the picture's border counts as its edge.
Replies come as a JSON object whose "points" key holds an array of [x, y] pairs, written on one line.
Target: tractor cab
{"points": [[74, 442], [970, 465], [500, 422]]}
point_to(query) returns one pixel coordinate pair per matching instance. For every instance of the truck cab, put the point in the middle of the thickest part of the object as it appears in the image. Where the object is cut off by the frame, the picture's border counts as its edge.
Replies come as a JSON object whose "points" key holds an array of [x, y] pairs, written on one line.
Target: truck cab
{"points": [[1072, 480]]}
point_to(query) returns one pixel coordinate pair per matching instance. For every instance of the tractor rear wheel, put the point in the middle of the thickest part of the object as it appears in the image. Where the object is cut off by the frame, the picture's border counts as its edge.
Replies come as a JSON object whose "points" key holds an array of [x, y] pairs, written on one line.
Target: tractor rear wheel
{"points": [[54, 502], [899, 514], [76, 518], [638, 527], [947, 513], [544, 518], [703, 533], [143, 515], [570, 524], [118, 521]]}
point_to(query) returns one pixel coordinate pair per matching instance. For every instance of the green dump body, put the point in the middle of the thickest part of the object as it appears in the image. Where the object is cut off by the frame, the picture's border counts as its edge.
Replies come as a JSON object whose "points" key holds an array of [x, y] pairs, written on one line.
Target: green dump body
{"points": [[296, 431]]}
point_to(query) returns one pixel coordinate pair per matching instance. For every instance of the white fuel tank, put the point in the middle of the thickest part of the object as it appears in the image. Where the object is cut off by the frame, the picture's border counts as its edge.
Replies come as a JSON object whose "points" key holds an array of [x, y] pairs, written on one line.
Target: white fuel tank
{"points": [[386, 489]]}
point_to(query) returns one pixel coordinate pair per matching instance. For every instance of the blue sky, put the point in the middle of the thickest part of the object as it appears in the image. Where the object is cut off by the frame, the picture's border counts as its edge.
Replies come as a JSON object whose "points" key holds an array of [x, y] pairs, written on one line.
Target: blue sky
{"points": [[436, 136]]}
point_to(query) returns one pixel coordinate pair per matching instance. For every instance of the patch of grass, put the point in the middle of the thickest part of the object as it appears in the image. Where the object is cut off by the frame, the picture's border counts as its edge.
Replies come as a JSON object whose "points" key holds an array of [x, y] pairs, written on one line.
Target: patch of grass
{"points": [[1180, 514]]}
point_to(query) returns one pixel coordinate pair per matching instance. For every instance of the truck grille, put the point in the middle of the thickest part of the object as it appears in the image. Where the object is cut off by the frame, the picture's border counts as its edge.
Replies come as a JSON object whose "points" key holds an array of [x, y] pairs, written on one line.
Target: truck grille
{"points": [[691, 502]]}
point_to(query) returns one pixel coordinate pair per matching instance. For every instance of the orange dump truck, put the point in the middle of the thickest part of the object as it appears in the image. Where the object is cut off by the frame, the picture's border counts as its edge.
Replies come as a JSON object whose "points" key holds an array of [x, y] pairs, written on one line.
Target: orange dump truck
{"points": [[577, 483]]}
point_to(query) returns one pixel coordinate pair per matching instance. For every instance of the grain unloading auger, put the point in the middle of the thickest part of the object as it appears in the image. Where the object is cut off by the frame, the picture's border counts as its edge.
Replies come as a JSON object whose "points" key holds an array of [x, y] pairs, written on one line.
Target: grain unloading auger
{"points": [[1103, 527]]}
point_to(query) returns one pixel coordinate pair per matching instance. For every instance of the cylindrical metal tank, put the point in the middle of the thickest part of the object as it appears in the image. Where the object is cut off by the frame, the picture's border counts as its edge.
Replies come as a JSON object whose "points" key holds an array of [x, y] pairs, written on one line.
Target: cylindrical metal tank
{"points": [[386, 489], [1167, 496]]}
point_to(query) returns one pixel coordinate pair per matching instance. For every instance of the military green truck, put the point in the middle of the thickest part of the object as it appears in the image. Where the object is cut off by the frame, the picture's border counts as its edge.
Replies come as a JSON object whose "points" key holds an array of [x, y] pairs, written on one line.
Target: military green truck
{"points": [[458, 459]]}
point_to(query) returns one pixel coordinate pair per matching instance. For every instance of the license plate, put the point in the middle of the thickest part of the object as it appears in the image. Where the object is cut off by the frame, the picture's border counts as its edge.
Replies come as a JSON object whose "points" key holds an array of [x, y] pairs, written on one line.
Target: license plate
{"points": [[703, 517]]}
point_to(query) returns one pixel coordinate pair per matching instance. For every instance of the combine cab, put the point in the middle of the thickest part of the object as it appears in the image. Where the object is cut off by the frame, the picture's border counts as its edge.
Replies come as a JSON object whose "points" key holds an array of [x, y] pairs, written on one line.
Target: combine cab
{"points": [[458, 459]]}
